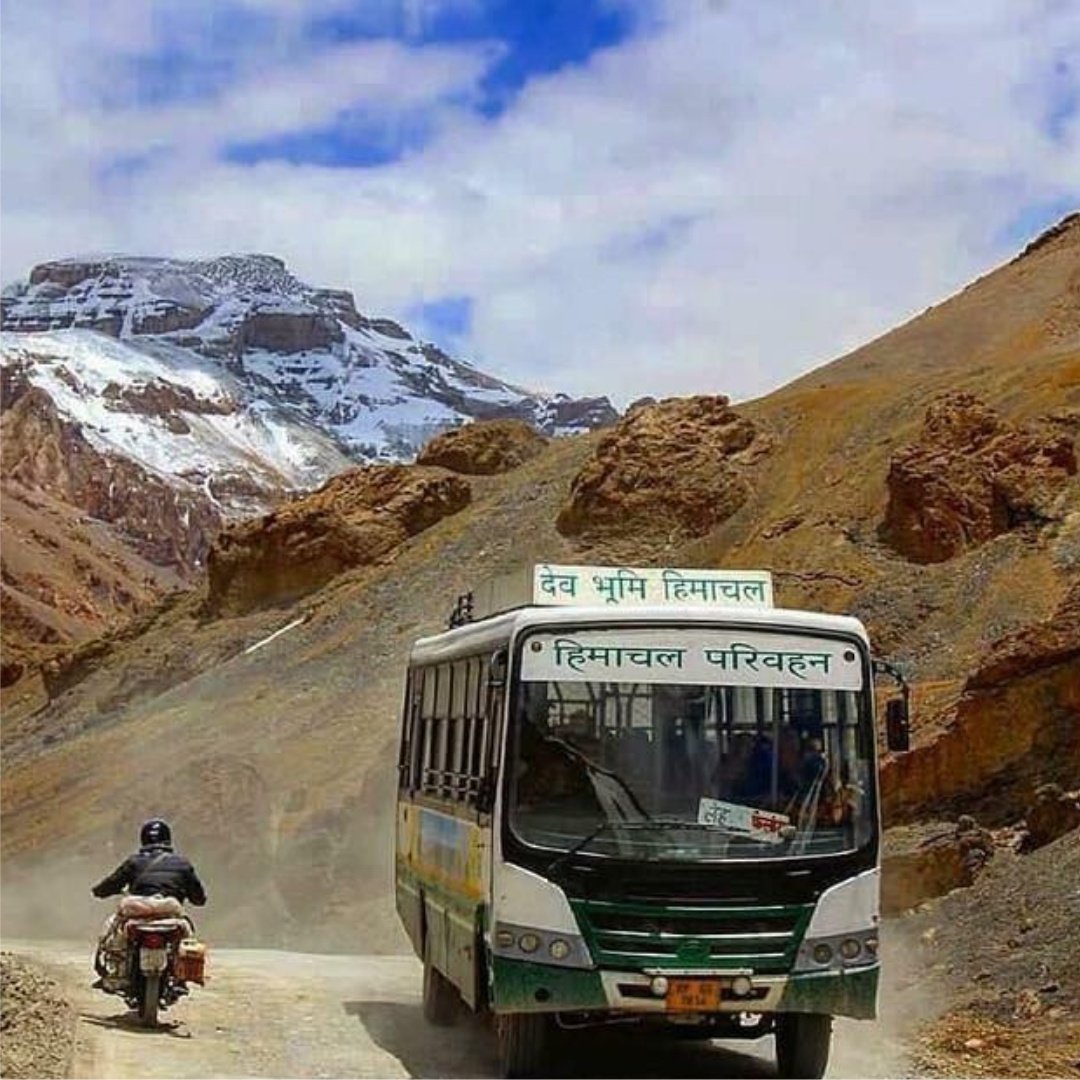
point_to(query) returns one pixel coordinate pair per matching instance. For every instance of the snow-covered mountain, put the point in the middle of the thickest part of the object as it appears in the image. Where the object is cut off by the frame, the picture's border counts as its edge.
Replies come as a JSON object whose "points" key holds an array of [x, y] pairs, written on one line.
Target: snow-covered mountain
{"points": [[144, 402], [256, 365]]}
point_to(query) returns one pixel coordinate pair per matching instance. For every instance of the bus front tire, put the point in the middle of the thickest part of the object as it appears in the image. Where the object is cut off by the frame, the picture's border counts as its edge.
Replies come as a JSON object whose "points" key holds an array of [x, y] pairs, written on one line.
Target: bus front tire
{"points": [[523, 1040], [440, 997], [802, 1044]]}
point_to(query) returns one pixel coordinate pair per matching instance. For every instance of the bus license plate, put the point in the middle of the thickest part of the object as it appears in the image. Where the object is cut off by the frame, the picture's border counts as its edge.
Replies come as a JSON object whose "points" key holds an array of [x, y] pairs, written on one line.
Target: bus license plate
{"points": [[693, 995]]}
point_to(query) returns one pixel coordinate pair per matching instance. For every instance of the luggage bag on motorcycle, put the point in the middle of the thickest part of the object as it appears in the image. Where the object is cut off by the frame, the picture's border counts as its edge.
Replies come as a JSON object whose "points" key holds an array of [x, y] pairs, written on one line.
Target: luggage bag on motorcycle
{"points": [[191, 961]]}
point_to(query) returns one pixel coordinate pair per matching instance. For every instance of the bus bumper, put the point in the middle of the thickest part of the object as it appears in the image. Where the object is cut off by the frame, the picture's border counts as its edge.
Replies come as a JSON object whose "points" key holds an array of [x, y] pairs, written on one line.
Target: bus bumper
{"points": [[520, 986]]}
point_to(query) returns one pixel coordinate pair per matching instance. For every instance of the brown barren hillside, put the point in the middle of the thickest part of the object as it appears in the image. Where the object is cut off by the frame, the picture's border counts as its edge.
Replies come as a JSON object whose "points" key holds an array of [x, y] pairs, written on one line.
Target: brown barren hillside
{"points": [[279, 753], [89, 539]]}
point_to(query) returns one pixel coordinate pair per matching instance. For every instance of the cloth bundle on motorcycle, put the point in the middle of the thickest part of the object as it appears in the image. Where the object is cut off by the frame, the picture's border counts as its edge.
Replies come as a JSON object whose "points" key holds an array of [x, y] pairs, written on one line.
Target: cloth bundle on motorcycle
{"points": [[150, 907]]}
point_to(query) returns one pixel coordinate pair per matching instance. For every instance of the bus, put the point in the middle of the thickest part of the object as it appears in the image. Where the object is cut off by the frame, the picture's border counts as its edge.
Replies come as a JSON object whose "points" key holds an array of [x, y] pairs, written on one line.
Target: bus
{"points": [[644, 796]]}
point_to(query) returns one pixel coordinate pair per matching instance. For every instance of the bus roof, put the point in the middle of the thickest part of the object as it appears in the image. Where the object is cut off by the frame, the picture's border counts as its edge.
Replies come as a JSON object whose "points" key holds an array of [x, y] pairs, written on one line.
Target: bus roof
{"points": [[499, 629]]}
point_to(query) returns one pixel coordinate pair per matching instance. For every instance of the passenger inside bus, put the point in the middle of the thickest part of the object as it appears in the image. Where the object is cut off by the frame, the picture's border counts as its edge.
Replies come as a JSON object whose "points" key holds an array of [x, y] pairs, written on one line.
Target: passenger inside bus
{"points": [[550, 772]]}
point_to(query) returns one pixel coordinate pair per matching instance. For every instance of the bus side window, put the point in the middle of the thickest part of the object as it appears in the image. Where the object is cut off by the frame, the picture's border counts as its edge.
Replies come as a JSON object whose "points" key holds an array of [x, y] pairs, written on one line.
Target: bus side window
{"points": [[412, 735], [471, 765], [407, 735], [444, 742], [493, 691]]}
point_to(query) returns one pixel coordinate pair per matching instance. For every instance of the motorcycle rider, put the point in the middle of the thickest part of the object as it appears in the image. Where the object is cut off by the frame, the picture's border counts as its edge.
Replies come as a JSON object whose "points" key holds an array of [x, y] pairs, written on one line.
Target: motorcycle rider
{"points": [[157, 872]]}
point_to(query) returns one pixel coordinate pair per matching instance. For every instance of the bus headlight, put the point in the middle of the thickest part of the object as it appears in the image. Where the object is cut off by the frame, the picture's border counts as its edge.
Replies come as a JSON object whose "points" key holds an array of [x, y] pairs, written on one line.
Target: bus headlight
{"points": [[540, 946], [850, 948], [854, 949], [559, 949]]}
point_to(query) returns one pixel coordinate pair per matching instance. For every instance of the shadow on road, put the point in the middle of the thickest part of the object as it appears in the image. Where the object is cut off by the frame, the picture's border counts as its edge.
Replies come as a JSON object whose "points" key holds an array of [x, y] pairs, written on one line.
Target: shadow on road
{"points": [[128, 1021], [468, 1049]]}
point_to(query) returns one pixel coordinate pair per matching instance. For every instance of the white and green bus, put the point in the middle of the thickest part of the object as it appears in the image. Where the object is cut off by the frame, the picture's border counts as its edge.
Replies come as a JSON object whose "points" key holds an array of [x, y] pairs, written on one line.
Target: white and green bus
{"points": [[648, 797]]}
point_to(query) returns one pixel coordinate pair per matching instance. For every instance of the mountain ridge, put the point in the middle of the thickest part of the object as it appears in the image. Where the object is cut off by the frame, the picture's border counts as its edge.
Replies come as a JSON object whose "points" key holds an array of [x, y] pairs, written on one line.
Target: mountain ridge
{"points": [[217, 388], [282, 714]]}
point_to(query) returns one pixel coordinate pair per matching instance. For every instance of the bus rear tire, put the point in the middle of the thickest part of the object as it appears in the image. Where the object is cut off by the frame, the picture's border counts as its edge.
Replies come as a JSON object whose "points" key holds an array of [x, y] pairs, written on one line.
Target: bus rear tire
{"points": [[523, 1043], [802, 1044], [440, 998]]}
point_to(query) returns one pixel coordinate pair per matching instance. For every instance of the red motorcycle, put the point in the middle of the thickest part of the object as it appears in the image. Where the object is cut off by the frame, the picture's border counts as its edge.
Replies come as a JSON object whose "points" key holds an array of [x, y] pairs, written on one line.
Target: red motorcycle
{"points": [[162, 960], [158, 956]]}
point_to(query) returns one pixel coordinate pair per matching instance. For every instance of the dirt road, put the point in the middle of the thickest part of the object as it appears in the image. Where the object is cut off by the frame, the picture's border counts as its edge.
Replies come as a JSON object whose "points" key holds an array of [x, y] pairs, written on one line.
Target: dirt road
{"points": [[279, 1014]]}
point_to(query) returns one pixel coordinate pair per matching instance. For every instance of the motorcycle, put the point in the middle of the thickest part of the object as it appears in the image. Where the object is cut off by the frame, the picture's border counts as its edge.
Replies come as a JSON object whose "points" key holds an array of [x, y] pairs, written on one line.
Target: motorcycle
{"points": [[161, 956]]}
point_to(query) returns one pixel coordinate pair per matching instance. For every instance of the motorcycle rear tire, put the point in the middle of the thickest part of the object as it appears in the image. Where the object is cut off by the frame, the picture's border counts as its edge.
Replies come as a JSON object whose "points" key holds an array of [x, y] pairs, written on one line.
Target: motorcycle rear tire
{"points": [[148, 1003]]}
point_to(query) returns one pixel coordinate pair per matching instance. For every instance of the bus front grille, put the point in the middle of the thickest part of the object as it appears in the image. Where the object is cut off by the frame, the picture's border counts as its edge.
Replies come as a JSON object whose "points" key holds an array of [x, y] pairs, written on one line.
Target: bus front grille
{"points": [[655, 936]]}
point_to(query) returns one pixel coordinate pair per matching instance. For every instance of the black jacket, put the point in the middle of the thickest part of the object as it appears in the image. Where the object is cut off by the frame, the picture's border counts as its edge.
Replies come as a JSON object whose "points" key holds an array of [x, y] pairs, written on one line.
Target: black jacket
{"points": [[170, 875]]}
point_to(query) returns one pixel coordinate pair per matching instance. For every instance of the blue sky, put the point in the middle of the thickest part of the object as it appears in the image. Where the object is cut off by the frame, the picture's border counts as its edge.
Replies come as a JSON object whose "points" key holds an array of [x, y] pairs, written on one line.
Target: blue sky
{"points": [[594, 196], [531, 39]]}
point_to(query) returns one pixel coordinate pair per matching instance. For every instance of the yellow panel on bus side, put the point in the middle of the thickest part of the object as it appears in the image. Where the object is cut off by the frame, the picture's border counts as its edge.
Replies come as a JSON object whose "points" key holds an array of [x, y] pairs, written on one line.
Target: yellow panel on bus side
{"points": [[443, 865]]}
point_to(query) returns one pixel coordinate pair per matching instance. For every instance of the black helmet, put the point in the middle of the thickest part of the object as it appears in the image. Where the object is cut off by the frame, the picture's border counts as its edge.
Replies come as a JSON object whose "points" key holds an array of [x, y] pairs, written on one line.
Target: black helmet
{"points": [[156, 833]]}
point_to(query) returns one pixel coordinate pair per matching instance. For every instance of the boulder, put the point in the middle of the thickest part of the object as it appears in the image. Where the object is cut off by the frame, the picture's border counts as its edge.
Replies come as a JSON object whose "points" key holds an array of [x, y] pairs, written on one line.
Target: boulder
{"points": [[677, 469], [922, 862], [969, 477], [353, 520], [1053, 813], [484, 448]]}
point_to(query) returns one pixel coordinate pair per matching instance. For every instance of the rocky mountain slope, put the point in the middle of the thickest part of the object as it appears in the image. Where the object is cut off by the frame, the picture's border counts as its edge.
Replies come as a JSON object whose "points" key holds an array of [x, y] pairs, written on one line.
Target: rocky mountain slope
{"points": [[157, 398], [279, 706]]}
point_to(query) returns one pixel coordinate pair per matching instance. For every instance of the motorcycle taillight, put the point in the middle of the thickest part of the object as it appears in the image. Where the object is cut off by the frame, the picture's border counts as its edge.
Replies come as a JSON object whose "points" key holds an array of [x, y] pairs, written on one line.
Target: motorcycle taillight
{"points": [[152, 941]]}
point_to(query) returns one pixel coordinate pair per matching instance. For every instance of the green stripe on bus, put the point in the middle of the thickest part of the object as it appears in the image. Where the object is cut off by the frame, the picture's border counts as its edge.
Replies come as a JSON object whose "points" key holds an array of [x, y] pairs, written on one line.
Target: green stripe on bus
{"points": [[839, 993], [646, 936], [520, 986]]}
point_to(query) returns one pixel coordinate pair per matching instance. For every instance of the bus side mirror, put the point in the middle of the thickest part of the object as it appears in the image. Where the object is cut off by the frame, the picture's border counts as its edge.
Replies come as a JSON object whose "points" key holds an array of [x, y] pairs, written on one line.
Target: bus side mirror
{"points": [[897, 725]]}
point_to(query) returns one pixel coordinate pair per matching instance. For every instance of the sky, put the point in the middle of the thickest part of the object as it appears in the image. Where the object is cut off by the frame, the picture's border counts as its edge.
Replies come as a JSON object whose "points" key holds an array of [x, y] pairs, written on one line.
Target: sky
{"points": [[621, 197]]}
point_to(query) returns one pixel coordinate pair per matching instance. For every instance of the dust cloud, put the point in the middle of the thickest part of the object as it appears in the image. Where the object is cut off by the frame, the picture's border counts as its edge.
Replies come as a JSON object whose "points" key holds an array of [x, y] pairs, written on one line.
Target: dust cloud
{"points": [[908, 997], [277, 875]]}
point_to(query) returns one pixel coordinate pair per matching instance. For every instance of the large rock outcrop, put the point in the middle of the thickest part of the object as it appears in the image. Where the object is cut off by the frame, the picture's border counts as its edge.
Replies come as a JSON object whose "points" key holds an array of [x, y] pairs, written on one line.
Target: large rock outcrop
{"points": [[969, 477], [289, 332], [1017, 725], [353, 520], [921, 862], [676, 469], [484, 448]]}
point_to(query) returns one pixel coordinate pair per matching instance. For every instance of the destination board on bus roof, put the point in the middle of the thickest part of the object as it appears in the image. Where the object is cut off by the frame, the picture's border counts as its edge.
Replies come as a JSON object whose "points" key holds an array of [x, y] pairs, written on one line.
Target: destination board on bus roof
{"points": [[629, 586]]}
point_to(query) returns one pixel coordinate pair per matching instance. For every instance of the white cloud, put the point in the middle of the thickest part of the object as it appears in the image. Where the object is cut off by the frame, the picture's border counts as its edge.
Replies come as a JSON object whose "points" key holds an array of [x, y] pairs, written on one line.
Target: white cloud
{"points": [[718, 205]]}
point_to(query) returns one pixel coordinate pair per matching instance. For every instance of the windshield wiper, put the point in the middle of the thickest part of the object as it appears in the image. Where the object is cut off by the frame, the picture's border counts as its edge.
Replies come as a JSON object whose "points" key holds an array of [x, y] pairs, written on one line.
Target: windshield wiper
{"points": [[663, 824], [589, 837], [599, 770]]}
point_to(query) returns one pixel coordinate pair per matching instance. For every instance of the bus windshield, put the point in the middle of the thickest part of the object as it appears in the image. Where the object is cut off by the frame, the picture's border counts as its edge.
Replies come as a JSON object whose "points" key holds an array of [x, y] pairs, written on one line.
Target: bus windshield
{"points": [[647, 766]]}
